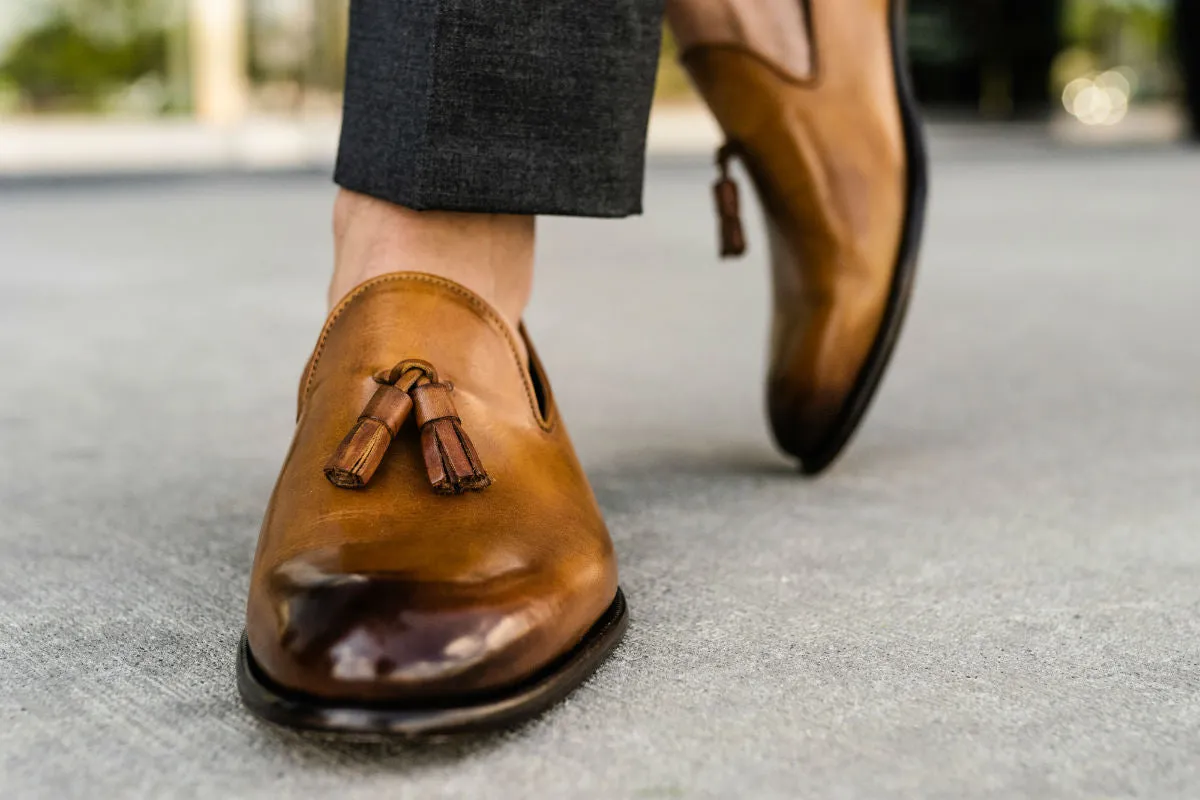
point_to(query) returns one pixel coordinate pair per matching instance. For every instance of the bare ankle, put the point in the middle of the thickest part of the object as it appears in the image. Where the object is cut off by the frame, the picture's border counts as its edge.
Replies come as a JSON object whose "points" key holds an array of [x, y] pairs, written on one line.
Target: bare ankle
{"points": [[775, 29], [490, 254]]}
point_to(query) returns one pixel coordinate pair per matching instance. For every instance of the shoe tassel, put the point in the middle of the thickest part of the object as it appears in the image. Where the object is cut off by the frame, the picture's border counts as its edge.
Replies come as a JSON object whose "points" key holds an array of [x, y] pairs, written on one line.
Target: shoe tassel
{"points": [[451, 460], [725, 190]]}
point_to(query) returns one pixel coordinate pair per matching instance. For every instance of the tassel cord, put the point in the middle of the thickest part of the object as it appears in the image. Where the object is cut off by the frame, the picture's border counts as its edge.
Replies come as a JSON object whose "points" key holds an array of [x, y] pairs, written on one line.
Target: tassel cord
{"points": [[725, 192]]}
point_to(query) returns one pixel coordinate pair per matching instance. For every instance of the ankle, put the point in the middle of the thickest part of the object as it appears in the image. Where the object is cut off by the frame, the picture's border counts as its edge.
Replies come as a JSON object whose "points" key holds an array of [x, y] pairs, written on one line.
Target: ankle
{"points": [[777, 30], [490, 254]]}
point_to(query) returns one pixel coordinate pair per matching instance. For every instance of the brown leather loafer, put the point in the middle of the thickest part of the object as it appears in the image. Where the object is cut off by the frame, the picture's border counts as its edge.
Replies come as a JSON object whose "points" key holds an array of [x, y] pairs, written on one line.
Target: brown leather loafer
{"points": [[839, 164], [432, 559]]}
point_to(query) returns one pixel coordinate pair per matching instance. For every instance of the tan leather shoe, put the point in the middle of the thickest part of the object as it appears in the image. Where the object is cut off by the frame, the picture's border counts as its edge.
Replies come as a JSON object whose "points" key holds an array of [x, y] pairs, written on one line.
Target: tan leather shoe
{"points": [[432, 558], [839, 164]]}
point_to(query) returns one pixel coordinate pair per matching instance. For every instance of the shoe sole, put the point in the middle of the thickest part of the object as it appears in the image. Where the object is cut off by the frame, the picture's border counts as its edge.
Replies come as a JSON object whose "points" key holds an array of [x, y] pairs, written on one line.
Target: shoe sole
{"points": [[865, 387], [496, 711]]}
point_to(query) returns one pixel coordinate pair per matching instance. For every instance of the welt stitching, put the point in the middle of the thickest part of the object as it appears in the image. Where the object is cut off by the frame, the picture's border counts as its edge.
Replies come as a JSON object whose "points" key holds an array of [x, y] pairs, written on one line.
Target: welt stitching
{"points": [[546, 424]]}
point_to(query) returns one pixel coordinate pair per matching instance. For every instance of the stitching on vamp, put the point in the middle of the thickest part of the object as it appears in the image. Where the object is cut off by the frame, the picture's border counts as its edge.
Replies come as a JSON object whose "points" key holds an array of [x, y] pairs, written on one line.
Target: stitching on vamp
{"points": [[546, 424]]}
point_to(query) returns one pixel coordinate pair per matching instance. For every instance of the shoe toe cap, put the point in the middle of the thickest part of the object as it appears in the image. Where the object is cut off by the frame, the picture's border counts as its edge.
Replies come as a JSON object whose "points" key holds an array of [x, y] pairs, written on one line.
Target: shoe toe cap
{"points": [[394, 636], [803, 418]]}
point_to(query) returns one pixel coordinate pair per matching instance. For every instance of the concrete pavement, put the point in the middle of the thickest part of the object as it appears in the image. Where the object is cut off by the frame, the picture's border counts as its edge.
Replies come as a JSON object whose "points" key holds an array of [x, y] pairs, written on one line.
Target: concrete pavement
{"points": [[995, 594]]}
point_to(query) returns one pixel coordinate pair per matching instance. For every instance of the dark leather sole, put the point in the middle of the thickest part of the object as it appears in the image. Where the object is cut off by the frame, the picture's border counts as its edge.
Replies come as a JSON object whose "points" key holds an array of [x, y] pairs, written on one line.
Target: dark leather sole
{"points": [[865, 387], [485, 713]]}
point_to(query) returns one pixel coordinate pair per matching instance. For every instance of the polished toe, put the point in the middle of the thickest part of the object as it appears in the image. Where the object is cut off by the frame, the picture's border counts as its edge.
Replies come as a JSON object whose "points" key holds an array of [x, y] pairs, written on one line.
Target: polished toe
{"points": [[393, 636], [803, 419], [817, 358]]}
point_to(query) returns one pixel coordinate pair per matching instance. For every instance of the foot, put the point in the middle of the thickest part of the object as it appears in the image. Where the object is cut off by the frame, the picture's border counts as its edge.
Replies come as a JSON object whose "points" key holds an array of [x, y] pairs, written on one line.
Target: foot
{"points": [[837, 162], [490, 254], [435, 573], [774, 29]]}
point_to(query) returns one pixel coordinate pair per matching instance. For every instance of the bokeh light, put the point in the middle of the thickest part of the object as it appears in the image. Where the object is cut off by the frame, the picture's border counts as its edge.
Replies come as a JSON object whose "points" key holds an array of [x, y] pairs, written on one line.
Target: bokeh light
{"points": [[1100, 99]]}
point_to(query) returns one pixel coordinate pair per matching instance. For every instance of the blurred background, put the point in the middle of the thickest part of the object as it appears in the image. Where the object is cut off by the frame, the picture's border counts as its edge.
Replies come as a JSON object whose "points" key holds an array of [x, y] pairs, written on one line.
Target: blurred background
{"points": [[93, 74]]}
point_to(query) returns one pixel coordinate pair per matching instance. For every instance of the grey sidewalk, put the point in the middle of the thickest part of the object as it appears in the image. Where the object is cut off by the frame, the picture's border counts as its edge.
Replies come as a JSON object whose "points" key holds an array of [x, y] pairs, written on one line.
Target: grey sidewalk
{"points": [[996, 594]]}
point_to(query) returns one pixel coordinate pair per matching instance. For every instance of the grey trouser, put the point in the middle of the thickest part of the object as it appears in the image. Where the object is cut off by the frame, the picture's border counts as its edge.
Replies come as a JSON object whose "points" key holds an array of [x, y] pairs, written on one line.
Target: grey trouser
{"points": [[502, 106]]}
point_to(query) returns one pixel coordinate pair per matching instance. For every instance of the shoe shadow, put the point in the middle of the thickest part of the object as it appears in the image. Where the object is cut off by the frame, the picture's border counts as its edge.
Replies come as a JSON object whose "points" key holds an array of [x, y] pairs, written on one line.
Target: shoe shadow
{"points": [[410, 756]]}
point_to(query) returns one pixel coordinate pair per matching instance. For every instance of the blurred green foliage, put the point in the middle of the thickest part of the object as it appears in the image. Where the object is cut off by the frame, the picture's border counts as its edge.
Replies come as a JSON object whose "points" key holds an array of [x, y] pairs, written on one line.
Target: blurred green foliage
{"points": [[1134, 34], [1091, 22], [59, 66], [78, 54]]}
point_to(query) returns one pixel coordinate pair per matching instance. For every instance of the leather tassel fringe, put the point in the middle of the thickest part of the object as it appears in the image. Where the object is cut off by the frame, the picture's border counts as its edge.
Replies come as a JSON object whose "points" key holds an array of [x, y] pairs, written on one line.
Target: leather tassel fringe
{"points": [[361, 452], [451, 460], [450, 457], [729, 214]]}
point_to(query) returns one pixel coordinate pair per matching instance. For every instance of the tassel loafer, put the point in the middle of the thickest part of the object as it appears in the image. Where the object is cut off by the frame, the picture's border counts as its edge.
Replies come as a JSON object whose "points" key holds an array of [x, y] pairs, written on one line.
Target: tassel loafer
{"points": [[838, 159], [432, 559]]}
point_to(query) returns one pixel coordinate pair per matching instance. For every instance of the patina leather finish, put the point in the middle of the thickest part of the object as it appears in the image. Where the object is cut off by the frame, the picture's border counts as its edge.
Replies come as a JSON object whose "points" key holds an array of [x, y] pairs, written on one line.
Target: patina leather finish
{"points": [[395, 592], [827, 155]]}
